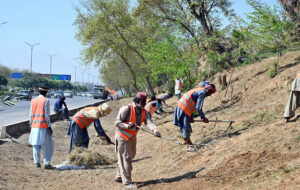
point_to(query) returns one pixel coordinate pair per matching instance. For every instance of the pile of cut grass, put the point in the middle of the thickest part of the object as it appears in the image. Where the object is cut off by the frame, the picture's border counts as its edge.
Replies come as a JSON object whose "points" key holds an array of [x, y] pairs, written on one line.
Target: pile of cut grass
{"points": [[84, 157]]}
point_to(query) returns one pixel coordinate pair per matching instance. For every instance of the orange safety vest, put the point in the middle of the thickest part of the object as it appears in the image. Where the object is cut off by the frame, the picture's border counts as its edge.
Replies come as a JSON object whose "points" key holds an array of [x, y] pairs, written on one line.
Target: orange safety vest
{"points": [[151, 109], [81, 119], [129, 133], [163, 97], [38, 113], [114, 93], [186, 102], [180, 85]]}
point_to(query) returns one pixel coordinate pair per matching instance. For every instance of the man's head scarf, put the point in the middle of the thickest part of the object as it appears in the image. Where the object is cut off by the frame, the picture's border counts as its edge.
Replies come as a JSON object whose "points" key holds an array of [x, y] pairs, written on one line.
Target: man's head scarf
{"points": [[141, 95], [210, 87]]}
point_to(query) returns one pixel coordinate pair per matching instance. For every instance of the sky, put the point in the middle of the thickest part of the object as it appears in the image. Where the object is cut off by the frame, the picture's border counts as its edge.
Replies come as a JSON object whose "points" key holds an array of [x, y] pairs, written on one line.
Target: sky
{"points": [[50, 23]]}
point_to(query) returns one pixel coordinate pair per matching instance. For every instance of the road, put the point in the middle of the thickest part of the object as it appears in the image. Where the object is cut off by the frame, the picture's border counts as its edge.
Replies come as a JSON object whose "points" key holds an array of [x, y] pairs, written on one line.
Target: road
{"points": [[20, 112]]}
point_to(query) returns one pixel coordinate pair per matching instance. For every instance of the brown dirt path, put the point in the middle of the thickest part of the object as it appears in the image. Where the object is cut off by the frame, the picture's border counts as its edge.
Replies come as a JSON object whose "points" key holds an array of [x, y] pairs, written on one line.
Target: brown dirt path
{"points": [[258, 152]]}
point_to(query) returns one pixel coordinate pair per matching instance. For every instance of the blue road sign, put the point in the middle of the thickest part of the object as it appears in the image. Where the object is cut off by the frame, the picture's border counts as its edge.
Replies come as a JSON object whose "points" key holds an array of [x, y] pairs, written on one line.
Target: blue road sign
{"points": [[65, 77], [16, 75]]}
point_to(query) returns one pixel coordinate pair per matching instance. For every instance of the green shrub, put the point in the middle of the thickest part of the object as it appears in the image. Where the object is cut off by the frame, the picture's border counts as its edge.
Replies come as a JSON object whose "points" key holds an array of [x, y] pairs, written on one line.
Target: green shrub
{"points": [[273, 69]]}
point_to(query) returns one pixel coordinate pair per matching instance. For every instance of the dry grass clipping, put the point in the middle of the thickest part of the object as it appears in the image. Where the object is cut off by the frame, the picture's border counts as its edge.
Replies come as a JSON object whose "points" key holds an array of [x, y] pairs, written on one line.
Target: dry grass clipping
{"points": [[84, 157]]}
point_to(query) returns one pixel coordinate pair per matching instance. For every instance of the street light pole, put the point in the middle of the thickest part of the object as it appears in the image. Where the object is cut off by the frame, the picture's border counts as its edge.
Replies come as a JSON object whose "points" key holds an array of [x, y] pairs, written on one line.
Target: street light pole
{"points": [[31, 48], [75, 73], [89, 77], [51, 62], [82, 75]]}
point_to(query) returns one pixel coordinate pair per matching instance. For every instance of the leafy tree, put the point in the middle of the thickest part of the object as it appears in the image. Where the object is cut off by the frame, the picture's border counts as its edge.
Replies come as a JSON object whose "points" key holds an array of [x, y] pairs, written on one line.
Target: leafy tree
{"points": [[30, 81], [173, 13], [205, 10], [5, 71], [195, 19], [107, 28], [292, 8], [3, 80], [172, 58], [115, 75], [267, 27], [196, 22]]}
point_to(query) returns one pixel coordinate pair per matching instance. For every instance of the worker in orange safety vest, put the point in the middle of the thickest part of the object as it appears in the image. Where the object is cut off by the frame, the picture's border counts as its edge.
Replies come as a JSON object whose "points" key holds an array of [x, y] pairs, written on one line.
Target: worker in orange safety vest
{"points": [[178, 87], [129, 121], [82, 120], [164, 97], [41, 131], [153, 106], [188, 103]]}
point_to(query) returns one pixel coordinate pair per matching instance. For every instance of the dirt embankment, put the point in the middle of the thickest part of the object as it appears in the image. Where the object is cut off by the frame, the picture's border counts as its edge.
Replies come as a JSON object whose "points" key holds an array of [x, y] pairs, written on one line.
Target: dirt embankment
{"points": [[258, 152]]}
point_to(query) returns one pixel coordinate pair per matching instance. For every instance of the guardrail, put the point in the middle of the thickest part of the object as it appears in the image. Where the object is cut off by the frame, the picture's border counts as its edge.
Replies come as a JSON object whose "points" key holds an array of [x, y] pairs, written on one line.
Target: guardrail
{"points": [[22, 127]]}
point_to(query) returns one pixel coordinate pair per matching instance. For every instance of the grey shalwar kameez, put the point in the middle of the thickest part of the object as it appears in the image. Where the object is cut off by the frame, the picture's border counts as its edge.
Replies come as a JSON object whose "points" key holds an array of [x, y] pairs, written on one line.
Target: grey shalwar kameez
{"points": [[294, 99], [126, 149]]}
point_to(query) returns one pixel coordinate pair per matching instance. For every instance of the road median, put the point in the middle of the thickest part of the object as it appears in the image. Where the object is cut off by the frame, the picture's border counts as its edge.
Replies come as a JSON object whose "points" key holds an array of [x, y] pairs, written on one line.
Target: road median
{"points": [[22, 127]]}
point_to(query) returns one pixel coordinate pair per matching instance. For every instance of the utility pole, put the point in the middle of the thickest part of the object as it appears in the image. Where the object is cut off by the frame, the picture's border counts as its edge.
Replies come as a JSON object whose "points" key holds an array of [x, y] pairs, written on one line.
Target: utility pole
{"points": [[75, 73], [89, 77], [31, 48], [51, 62], [82, 76]]}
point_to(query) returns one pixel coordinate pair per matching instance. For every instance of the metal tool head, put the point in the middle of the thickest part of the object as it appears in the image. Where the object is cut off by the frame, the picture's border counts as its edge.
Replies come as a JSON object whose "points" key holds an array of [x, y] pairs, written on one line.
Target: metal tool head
{"points": [[229, 124]]}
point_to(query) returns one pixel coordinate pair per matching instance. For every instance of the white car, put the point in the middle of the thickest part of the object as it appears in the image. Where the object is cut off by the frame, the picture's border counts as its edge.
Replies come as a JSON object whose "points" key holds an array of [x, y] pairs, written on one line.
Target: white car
{"points": [[68, 94], [89, 94]]}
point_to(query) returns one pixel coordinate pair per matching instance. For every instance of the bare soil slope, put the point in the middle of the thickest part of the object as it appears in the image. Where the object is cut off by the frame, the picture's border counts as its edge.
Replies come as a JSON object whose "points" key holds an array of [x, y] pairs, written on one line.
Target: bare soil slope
{"points": [[259, 151]]}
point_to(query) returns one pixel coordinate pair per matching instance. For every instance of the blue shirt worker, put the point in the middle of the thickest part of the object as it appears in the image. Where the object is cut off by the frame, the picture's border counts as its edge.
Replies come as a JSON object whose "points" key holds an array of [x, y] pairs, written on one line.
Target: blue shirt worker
{"points": [[82, 120], [164, 97], [63, 113], [41, 132], [153, 98], [188, 103], [204, 83], [153, 107]]}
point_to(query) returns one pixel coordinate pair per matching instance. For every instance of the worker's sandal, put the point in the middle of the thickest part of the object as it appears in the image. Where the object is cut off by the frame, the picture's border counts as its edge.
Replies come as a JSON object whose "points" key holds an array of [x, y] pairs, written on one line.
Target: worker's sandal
{"points": [[131, 186], [118, 179], [37, 165], [191, 148], [49, 167]]}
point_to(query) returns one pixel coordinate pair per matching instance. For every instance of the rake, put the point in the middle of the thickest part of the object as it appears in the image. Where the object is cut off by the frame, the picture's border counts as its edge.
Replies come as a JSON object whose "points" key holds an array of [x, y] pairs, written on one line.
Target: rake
{"points": [[226, 120]]}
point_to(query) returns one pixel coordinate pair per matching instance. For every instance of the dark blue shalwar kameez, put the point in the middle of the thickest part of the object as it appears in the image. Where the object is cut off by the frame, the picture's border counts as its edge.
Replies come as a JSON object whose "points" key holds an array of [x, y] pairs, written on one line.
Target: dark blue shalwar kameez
{"points": [[80, 137], [182, 120]]}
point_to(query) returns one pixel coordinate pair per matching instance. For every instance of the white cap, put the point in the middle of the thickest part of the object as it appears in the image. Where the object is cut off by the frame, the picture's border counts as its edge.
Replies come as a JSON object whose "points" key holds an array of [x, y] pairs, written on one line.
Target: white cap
{"points": [[105, 109]]}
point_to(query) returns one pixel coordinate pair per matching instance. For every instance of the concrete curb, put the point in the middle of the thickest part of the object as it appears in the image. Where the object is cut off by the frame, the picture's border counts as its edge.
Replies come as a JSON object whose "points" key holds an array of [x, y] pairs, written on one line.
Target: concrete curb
{"points": [[22, 127]]}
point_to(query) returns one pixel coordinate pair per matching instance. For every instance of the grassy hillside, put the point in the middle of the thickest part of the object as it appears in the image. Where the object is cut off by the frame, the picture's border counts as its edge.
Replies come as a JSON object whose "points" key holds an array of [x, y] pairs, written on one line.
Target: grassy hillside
{"points": [[259, 151]]}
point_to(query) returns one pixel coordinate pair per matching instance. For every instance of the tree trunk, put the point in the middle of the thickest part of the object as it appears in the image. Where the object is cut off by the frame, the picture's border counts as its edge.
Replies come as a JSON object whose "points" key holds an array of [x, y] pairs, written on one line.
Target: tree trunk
{"points": [[203, 21], [141, 57], [292, 7], [200, 16], [222, 81], [131, 71], [149, 86]]}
